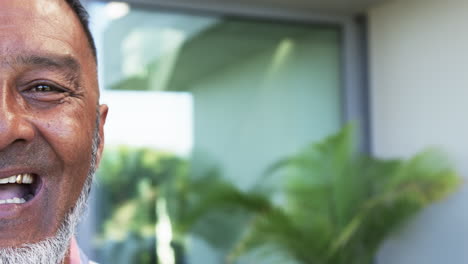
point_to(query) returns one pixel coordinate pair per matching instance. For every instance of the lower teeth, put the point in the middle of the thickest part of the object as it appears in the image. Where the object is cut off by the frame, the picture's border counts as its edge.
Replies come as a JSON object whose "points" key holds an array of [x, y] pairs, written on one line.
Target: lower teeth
{"points": [[13, 201], [17, 200]]}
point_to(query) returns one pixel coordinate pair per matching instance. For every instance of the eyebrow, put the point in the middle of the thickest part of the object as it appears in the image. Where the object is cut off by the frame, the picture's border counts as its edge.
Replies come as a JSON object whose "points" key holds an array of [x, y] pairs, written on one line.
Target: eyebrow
{"points": [[64, 64], [49, 61]]}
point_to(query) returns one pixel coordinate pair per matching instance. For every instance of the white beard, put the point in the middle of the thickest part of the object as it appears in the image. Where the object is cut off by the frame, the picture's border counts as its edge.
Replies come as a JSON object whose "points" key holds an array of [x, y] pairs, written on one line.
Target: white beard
{"points": [[53, 250]]}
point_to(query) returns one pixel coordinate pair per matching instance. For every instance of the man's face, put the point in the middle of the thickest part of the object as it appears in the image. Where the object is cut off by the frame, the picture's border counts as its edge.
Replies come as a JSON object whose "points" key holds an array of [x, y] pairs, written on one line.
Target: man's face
{"points": [[48, 105]]}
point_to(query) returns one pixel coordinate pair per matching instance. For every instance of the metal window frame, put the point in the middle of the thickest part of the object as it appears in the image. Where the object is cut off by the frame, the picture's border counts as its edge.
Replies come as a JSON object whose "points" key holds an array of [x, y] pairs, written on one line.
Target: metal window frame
{"points": [[355, 104]]}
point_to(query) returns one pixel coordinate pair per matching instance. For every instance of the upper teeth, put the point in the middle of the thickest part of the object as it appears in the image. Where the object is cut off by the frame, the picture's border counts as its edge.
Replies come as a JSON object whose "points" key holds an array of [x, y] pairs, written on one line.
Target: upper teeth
{"points": [[24, 178]]}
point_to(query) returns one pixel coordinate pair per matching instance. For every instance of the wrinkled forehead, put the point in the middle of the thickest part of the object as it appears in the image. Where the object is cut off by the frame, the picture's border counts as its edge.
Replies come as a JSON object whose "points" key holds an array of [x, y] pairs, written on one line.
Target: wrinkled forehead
{"points": [[36, 7], [53, 16], [43, 27], [48, 26]]}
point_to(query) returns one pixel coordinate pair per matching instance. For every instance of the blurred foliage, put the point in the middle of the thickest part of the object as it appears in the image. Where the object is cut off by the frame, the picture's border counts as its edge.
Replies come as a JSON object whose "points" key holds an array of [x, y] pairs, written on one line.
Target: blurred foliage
{"points": [[332, 205], [328, 204], [130, 182]]}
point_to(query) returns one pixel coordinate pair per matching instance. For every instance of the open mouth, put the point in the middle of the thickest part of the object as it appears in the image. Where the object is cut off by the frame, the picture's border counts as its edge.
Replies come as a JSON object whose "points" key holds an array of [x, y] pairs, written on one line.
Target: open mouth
{"points": [[18, 189]]}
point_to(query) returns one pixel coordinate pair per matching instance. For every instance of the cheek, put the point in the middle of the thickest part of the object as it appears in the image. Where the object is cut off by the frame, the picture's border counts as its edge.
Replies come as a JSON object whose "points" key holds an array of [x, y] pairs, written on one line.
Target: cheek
{"points": [[69, 136], [71, 140]]}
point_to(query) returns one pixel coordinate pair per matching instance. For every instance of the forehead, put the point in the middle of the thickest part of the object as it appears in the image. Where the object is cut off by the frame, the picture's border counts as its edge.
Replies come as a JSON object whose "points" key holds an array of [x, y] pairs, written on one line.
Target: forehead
{"points": [[41, 26]]}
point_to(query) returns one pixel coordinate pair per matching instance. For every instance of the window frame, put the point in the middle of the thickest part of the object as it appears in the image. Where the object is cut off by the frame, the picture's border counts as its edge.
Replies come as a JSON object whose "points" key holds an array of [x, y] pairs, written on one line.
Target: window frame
{"points": [[355, 92], [354, 72]]}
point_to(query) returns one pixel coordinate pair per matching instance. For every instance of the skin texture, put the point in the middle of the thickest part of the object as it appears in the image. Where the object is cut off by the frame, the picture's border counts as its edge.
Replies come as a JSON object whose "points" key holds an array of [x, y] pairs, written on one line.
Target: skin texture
{"points": [[49, 133]]}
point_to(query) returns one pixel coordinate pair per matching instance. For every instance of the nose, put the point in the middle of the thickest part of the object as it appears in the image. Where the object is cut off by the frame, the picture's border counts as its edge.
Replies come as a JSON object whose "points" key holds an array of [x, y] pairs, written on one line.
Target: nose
{"points": [[15, 125]]}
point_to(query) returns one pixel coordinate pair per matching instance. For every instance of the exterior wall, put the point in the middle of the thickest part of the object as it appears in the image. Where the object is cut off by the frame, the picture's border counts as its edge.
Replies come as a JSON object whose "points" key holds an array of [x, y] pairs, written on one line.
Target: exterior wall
{"points": [[419, 95]]}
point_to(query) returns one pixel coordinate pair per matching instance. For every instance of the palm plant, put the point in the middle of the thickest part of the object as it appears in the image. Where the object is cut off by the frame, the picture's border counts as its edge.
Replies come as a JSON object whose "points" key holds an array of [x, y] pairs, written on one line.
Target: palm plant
{"points": [[130, 182], [328, 204], [333, 205]]}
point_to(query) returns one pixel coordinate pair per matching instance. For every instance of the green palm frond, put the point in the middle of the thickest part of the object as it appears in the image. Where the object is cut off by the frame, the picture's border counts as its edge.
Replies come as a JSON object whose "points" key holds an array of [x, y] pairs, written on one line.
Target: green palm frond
{"points": [[327, 204], [338, 205]]}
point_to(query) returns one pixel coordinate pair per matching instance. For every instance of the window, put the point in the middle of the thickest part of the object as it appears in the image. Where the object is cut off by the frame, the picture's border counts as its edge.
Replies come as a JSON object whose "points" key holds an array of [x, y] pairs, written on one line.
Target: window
{"points": [[185, 90]]}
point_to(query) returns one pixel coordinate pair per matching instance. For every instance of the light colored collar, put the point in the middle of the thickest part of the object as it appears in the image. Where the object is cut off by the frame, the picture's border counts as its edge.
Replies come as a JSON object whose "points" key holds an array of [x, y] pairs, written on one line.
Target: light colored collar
{"points": [[76, 255], [75, 251]]}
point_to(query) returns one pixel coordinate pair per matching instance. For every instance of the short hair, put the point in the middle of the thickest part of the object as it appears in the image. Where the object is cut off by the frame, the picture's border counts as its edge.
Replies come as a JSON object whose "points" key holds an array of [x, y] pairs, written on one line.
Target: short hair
{"points": [[83, 16]]}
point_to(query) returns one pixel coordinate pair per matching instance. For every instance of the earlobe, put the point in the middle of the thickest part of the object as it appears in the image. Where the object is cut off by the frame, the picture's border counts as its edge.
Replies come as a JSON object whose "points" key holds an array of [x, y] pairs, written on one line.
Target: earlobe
{"points": [[103, 109]]}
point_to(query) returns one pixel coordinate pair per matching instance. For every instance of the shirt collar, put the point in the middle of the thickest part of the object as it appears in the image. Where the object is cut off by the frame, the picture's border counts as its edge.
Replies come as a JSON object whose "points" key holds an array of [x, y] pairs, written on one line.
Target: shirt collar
{"points": [[76, 255]]}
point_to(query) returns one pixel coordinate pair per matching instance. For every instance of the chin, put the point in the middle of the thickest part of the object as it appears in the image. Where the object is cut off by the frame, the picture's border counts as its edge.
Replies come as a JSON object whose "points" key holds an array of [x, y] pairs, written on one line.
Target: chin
{"points": [[50, 249]]}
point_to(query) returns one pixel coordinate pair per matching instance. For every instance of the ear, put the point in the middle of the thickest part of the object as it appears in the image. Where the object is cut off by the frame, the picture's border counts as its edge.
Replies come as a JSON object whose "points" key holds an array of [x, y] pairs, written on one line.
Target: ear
{"points": [[103, 109]]}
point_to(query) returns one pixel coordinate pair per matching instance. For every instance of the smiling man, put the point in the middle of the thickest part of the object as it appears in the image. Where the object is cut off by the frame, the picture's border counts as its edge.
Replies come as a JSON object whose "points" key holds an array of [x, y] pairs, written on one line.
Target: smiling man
{"points": [[51, 128]]}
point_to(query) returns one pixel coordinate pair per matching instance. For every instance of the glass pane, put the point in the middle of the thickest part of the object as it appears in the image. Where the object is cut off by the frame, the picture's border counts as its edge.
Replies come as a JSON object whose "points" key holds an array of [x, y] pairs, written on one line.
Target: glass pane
{"points": [[192, 92]]}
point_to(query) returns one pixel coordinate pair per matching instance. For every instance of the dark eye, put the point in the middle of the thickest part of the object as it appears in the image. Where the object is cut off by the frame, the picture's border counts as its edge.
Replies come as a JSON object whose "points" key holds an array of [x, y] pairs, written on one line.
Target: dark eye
{"points": [[45, 91], [44, 88]]}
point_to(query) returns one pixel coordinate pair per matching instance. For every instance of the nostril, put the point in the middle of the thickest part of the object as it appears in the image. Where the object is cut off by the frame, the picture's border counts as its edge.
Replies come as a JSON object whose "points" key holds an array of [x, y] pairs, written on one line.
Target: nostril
{"points": [[20, 140], [15, 130]]}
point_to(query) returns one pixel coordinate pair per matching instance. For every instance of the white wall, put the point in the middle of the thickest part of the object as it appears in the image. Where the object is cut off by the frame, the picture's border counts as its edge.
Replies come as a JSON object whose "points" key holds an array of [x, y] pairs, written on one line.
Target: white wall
{"points": [[419, 81]]}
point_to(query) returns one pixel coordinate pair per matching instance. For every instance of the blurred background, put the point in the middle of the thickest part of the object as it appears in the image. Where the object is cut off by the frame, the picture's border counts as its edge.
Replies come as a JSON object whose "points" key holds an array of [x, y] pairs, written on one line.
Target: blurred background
{"points": [[223, 115]]}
